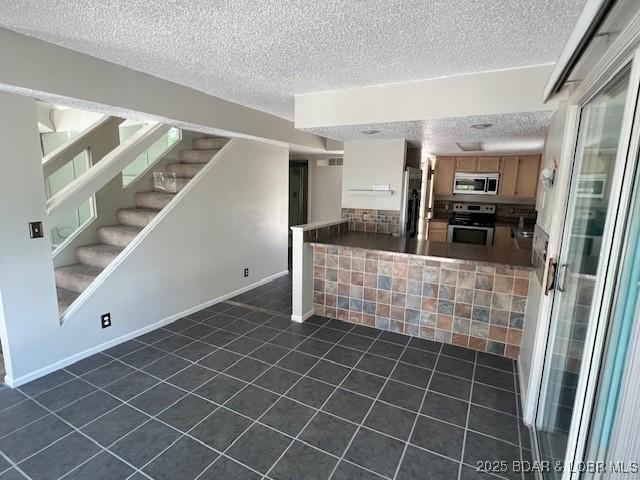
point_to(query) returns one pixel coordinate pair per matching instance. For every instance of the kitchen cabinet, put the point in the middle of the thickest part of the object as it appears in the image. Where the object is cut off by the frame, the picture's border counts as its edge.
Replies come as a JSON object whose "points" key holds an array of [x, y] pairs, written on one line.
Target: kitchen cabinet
{"points": [[438, 230], [508, 176], [527, 177], [466, 164], [488, 164], [518, 175], [502, 237], [443, 176]]}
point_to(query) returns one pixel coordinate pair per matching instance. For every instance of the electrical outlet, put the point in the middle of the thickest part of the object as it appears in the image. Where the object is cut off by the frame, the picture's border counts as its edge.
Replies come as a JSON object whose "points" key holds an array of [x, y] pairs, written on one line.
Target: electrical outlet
{"points": [[246, 272], [35, 230], [105, 320]]}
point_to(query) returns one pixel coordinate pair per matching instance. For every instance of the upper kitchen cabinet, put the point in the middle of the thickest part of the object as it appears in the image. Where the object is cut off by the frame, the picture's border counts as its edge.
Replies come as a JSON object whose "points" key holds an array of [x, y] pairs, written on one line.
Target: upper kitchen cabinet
{"points": [[443, 177], [488, 164], [466, 164], [508, 177], [527, 178]]}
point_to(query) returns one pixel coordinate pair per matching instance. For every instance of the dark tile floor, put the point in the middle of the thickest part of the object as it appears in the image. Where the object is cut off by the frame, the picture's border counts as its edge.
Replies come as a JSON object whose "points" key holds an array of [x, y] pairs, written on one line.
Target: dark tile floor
{"points": [[238, 391]]}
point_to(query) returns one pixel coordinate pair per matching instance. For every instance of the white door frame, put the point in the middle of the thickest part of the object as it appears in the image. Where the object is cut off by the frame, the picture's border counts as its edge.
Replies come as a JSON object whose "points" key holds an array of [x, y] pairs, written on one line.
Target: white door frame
{"points": [[622, 53]]}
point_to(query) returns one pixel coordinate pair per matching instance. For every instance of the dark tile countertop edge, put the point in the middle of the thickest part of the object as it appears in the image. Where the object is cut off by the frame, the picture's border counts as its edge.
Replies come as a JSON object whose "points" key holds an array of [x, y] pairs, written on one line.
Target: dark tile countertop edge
{"points": [[438, 251]]}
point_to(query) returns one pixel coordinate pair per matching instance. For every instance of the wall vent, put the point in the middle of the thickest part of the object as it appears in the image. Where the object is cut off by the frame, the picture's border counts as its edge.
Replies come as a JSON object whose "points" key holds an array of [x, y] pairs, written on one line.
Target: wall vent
{"points": [[329, 162]]}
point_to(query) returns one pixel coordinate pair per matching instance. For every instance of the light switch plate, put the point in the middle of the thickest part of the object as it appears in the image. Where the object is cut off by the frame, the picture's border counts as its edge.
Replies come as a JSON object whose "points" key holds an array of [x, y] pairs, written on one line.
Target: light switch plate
{"points": [[35, 230]]}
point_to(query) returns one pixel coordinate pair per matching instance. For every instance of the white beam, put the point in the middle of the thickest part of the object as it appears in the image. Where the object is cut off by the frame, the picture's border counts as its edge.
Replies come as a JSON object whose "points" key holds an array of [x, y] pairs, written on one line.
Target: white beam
{"points": [[482, 93]]}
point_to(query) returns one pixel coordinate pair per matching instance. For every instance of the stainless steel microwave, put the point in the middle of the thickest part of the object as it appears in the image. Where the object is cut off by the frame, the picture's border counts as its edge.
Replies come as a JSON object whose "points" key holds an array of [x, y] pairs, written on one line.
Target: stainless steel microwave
{"points": [[592, 185], [476, 183]]}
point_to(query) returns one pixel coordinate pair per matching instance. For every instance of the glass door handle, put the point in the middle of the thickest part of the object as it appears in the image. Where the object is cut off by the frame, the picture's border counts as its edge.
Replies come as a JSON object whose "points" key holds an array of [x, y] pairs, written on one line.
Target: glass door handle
{"points": [[562, 273]]}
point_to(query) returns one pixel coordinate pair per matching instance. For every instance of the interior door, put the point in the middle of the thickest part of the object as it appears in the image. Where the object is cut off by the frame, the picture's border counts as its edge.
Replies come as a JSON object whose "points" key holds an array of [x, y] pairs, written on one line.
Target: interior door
{"points": [[599, 134]]}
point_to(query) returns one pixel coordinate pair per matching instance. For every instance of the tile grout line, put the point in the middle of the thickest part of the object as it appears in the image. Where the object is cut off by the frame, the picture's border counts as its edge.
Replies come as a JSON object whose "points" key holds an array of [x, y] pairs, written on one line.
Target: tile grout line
{"points": [[415, 421], [519, 420], [355, 433], [255, 421], [351, 369], [304, 338], [466, 425]]}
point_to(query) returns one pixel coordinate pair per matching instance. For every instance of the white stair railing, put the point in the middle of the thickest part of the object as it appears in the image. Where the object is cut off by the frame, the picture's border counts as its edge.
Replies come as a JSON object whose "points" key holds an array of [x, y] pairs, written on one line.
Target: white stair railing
{"points": [[94, 135], [76, 192]]}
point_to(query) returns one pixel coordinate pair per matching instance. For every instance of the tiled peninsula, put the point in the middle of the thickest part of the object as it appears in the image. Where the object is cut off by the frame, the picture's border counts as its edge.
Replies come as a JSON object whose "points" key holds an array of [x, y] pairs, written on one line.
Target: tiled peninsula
{"points": [[471, 296]]}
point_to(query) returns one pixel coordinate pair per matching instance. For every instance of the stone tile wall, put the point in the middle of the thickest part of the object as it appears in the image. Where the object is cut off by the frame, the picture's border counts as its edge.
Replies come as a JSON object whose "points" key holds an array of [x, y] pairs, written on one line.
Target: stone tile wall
{"points": [[373, 221], [473, 305]]}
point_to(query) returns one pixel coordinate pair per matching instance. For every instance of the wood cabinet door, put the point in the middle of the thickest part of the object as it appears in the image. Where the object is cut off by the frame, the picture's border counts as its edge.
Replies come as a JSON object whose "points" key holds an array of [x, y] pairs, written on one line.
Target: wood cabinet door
{"points": [[488, 164], [466, 164], [527, 178], [437, 235], [502, 237], [443, 176], [508, 176]]}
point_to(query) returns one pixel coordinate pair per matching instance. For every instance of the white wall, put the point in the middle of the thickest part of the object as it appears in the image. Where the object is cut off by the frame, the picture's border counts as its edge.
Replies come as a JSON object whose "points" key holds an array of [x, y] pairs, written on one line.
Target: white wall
{"points": [[480, 93], [551, 154], [195, 255], [368, 162], [325, 192], [28, 317]]}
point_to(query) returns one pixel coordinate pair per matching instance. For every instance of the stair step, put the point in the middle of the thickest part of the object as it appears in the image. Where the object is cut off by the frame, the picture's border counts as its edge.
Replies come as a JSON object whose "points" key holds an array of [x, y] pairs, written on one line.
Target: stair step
{"points": [[185, 170], [118, 235], [136, 217], [169, 184], [153, 200], [65, 299], [76, 277], [98, 255], [209, 143], [197, 156]]}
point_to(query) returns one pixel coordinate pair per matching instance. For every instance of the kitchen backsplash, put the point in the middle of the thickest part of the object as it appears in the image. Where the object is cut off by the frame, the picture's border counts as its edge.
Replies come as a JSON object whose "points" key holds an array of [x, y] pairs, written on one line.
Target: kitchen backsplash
{"points": [[505, 212], [373, 221]]}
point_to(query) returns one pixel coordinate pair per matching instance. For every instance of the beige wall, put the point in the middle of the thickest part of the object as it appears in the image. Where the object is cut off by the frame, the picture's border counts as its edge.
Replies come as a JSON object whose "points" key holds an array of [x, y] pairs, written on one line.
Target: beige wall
{"points": [[325, 192], [368, 162]]}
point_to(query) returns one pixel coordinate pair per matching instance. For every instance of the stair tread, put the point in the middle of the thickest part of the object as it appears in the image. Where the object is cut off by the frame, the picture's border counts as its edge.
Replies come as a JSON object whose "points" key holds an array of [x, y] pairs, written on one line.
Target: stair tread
{"points": [[65, 298], [212, 151], [80, 269], [121, 228], [207, 143], [98, 255], [102, 247], [153, 200], [76, 277], [184, 170]]}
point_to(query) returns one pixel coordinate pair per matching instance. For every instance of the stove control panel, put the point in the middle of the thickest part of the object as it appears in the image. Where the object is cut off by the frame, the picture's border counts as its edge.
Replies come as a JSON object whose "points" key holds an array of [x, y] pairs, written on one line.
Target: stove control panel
{"points": [[474, 208]]}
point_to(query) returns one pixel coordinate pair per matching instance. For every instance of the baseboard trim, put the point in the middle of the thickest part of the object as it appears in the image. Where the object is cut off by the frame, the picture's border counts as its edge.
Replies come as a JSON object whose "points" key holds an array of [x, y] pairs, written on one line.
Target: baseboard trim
{"points": [[16, 382], [301, 318]]}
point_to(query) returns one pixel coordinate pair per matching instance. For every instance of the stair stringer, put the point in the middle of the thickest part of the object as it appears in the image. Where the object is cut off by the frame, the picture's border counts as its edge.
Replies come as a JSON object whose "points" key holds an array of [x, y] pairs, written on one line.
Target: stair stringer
{"points": [[139, 239]]}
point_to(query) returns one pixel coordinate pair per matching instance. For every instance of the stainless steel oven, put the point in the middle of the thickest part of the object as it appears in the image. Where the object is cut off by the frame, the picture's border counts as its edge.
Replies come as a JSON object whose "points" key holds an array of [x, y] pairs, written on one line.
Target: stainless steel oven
{"points": [[472, 235], [476, 183], [472, 224]]}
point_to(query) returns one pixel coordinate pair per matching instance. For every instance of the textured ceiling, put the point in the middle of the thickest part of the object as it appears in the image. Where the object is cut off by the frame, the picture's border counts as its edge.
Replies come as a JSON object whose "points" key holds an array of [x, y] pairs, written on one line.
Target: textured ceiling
{"points": [[262, 53], [509, 133]]}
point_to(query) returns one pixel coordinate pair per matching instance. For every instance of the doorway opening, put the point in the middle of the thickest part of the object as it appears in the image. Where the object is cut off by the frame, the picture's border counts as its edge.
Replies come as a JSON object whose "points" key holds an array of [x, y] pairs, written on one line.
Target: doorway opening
{"points": [[298, 192]]}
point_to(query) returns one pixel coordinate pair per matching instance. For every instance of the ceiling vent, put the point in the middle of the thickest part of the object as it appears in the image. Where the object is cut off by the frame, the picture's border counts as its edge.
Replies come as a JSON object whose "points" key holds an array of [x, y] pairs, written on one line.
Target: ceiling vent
{"points": [[470, 146]]}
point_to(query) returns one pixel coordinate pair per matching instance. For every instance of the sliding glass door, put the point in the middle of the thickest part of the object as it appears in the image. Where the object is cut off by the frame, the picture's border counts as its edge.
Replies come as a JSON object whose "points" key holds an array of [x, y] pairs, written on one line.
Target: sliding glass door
{"points": [[580, 265]]}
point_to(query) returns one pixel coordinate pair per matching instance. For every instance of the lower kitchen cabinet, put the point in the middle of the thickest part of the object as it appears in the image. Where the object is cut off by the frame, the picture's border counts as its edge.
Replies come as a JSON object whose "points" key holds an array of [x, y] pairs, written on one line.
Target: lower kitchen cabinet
{"points": [[502, 237], [438, 231]]}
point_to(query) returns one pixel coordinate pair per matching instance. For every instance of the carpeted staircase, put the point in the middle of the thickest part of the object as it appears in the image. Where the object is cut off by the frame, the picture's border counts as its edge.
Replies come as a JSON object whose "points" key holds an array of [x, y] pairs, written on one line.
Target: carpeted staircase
{"points": [[72, 280]]}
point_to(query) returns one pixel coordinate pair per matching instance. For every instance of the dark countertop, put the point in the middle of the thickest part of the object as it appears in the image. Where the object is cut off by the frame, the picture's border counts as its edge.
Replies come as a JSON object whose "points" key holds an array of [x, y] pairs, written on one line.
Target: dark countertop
{"points": [[436, 250]]}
